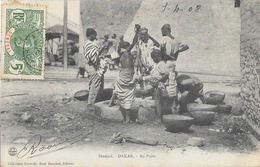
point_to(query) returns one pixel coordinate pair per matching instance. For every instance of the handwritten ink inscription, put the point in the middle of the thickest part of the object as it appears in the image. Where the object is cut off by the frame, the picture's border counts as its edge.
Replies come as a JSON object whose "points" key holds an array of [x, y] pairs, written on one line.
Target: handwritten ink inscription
{"points": [[176, 8]]}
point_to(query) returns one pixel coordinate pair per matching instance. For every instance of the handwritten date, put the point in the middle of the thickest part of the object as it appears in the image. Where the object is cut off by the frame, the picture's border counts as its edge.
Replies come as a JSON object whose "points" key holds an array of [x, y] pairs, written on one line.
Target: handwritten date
{"points": [[177, 8]]}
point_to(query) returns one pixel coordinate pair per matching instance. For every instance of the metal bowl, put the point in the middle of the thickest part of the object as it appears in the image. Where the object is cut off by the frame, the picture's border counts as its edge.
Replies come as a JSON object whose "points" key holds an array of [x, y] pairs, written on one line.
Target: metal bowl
{"points": [[81, 95], [201, 107], [143, 92], [203, 117], [214, 97], [177, 123], [224, 108], [104, 95]]}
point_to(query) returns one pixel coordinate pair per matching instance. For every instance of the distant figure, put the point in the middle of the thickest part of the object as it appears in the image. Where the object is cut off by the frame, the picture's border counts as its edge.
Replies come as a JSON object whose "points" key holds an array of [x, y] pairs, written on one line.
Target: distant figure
{"points": [[122, 44], [105, 44], [114, 42], [74, 49], [81, 71], [113, 51], [125, 85], [80, 61]]}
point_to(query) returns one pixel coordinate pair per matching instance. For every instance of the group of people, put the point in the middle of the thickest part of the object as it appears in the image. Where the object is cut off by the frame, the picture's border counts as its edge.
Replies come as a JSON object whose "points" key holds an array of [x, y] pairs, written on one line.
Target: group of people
{"points": [[112, 48], [146, 62]]}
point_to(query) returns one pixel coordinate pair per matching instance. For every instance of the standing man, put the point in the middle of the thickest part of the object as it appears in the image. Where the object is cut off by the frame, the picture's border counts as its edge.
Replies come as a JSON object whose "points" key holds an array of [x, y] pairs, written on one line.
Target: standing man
{"points": [[170, 47], [95, 67]]}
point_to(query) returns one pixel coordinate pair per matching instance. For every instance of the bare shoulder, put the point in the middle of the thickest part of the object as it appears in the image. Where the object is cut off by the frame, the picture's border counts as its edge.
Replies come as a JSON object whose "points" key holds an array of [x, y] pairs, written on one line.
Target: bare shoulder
{"points": [[170, 64]]}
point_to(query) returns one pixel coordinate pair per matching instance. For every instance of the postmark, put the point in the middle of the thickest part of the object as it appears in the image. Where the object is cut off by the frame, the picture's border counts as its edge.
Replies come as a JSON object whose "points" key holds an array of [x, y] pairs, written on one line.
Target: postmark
{"points": [[23, 41]]}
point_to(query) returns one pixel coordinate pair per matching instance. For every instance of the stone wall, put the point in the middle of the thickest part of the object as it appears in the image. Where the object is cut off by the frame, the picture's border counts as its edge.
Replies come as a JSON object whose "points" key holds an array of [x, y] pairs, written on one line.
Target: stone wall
{"points": [[250, 59], [108, 16]]}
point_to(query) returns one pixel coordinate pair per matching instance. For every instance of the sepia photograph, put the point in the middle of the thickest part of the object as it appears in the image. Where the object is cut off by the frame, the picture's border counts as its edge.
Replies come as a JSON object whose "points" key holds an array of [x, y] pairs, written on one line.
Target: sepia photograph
{"points": [[130, 83]]}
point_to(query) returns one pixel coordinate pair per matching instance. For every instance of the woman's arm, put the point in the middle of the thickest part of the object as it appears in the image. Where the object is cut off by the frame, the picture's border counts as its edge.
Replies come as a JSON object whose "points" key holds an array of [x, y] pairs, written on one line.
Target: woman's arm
{"points": [[135, 39], [156, 43], [133, 42]]}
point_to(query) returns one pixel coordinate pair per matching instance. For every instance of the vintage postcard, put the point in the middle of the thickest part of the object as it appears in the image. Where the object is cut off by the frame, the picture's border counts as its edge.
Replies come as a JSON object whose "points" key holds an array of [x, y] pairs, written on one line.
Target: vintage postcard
{"points": [[130, 83], [23, 38]]}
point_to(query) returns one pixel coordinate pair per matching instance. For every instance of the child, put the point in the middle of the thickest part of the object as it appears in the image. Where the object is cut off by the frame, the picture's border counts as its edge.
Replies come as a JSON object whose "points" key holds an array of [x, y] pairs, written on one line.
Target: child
{"points": [[158, 79], [81, 71], [80, 61], [103, 64]]}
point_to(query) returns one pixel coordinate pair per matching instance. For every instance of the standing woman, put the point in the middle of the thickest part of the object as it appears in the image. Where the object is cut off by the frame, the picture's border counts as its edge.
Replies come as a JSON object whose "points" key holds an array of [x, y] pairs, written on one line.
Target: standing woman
{"points": [[126, 83], [94, 68]]}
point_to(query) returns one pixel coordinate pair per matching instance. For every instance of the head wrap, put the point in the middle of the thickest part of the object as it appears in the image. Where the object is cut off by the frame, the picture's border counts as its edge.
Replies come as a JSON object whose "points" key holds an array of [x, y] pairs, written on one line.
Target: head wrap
{"points": [[166, 27], [90, 31], [143, 30], [156, 53], [121, 37]]}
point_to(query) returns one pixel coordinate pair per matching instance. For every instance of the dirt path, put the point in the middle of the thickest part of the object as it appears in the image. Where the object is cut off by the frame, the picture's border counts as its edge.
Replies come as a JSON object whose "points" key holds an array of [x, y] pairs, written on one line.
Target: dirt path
{"points": [[58, 116], [30, 109]]}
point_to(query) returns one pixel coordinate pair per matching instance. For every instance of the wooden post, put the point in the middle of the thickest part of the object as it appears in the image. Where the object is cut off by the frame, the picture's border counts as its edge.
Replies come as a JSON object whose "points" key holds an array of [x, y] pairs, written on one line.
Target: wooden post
{"points": [[81, 37], [65, 35]]}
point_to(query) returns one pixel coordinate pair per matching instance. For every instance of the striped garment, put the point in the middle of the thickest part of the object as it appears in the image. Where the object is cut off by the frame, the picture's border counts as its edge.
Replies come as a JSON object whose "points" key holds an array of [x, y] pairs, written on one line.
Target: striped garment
{"points": [[96, 84], [96, 79], [125, 88], [91, 52]]}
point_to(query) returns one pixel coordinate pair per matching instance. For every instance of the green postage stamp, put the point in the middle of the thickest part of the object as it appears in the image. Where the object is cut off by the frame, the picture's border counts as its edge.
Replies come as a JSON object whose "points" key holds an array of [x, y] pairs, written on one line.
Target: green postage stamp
{"points": [[23, 41]]}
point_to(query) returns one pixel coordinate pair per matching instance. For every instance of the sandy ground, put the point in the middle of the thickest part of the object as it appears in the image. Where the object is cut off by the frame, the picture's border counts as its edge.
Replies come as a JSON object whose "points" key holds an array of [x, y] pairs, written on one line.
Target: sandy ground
{"points": [[42, 120], [54, 115]]}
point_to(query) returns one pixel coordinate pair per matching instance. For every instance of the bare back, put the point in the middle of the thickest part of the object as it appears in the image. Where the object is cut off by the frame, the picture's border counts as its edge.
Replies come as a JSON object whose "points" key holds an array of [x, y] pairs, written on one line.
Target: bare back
{"points": [[127, 61]]}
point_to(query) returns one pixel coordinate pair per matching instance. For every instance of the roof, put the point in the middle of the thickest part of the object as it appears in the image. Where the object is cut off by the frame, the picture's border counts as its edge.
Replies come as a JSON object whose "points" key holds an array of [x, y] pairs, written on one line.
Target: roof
{"points": [[57, 30]]}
